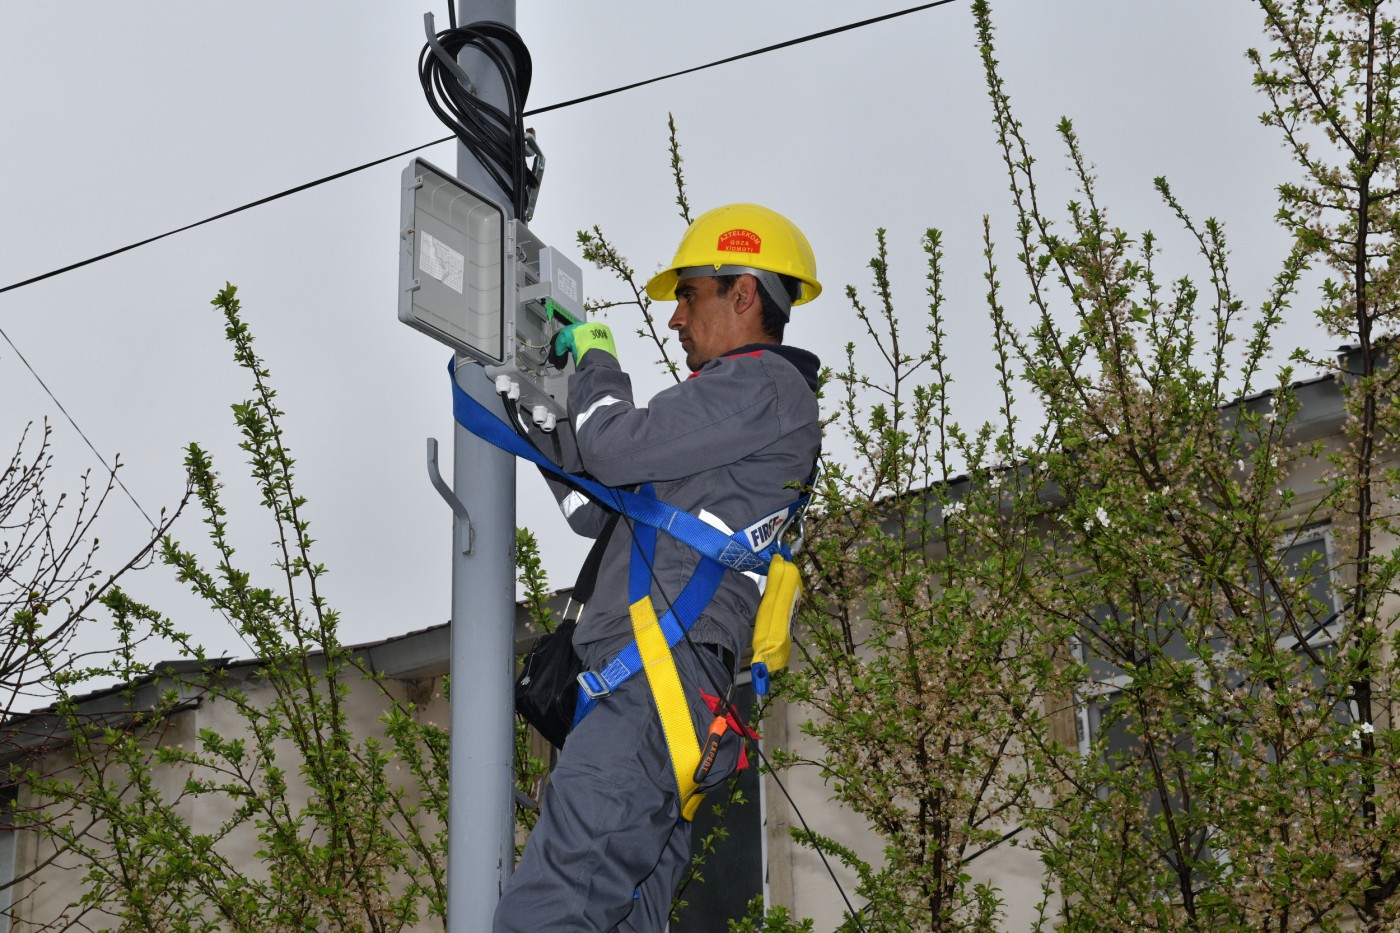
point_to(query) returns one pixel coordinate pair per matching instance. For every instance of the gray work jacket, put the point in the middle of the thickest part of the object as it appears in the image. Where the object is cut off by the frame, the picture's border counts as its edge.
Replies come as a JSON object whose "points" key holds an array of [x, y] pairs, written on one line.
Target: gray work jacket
{"points": [[729, 445]]}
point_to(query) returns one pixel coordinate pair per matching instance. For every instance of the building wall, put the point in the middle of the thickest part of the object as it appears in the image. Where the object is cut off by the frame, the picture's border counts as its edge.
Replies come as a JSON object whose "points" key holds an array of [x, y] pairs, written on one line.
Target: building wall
{"points": [[797, 877], [44, 900]]}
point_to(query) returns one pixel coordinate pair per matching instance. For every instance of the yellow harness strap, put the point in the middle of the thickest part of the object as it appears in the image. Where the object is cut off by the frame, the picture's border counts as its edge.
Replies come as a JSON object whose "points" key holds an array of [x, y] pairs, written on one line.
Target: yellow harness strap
{"points": [[772, 630], [671, 705]]}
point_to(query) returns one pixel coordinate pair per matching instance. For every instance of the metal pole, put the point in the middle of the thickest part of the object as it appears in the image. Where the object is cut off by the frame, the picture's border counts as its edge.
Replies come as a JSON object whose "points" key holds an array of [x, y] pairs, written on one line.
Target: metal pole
{"points": [[481, 827]]}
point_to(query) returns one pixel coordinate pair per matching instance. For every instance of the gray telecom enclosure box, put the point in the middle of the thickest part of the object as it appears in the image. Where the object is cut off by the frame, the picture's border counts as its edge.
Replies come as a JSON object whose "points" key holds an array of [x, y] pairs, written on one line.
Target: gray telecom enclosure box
{"points": [[486, 286], [452, 263]]}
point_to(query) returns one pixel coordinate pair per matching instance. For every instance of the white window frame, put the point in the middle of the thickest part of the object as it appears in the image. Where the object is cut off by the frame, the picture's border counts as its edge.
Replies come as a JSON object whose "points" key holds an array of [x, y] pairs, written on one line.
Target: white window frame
{"points": [[1090, 693]]}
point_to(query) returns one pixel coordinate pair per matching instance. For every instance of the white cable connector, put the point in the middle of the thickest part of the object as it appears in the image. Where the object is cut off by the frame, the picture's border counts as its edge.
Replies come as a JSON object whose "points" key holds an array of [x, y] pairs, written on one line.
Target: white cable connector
{"points": [[507, 387], [544, 418]]}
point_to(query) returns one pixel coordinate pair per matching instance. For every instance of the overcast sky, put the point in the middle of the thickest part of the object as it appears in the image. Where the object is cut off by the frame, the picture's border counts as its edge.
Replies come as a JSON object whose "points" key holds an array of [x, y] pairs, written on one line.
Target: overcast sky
{"points": [[122, 121]]}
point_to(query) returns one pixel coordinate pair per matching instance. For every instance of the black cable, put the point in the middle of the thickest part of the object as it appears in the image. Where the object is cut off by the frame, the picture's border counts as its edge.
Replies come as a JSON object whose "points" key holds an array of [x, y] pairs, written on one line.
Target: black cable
{"points": [[529, 113], [812, 838], [111, 471], [494, 136], [220, 216], [835, 30]]}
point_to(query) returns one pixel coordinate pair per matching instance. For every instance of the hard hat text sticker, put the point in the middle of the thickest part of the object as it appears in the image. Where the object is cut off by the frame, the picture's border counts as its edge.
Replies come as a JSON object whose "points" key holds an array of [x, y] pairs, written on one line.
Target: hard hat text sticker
{"points": [[739, 240]]}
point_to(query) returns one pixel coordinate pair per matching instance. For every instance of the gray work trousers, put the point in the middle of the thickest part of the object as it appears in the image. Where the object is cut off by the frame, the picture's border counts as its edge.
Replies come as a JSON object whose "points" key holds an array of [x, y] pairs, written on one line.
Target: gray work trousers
{"points": [[610, 846]]}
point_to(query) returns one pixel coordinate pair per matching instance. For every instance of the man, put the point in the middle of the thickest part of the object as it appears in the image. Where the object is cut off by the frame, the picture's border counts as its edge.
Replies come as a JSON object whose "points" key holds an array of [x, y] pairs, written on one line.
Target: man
{"points": [[728, 445]]}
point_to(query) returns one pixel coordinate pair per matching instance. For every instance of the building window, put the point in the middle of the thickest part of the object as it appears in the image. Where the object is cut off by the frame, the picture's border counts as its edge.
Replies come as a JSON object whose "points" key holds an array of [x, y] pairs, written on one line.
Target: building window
{"points": [[9, 796], [1106, 722]]}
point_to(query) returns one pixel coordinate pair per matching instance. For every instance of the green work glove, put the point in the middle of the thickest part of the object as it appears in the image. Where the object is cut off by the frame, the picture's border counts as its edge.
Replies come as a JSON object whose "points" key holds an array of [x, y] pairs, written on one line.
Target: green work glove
{"points": [[578, 339]]}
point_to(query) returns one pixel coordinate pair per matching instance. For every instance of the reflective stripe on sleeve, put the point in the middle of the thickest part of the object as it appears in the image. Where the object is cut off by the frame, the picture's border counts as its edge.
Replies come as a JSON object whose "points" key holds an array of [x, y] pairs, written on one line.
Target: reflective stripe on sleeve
{"points": [[603, 402], [572, 503]]}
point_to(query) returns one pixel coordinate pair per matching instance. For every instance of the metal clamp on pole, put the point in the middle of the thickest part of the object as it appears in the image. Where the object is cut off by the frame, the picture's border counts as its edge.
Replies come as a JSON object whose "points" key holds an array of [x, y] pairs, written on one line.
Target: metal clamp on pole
{"points": [[447, 493], [448, 62]]}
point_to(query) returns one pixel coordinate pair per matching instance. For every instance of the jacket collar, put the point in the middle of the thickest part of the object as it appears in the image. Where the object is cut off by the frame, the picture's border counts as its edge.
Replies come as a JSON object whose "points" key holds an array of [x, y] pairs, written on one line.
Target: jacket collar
{"points": [[805, 362]]}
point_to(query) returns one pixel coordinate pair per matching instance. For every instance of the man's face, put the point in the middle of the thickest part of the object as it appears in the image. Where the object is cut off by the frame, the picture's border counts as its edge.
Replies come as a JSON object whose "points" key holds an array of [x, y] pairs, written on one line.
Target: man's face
{"points": [[704, 321]]}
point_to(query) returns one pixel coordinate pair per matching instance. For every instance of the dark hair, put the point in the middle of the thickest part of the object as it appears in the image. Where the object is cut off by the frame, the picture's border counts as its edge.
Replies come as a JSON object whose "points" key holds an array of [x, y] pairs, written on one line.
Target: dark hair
{"points": [[771, 317]]}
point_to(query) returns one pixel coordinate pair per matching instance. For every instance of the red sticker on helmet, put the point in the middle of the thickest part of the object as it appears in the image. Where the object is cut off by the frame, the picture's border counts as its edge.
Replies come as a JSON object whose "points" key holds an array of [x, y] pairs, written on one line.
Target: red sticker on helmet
{"points": [[739, 240]]}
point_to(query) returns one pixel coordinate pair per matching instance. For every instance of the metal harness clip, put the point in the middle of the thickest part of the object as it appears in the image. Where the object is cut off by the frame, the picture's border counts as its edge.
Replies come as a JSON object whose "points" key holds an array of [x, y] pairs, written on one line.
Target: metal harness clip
{"points": [[593, 685]]}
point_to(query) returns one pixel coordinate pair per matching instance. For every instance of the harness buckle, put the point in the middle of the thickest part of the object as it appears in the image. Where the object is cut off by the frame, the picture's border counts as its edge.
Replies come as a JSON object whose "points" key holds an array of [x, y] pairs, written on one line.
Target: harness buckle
{"points": [[594, 686]]}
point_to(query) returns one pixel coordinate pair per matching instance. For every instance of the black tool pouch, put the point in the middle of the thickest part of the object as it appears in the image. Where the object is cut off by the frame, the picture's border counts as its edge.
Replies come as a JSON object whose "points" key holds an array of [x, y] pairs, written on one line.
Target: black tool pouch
{"points": [[546, 692]]}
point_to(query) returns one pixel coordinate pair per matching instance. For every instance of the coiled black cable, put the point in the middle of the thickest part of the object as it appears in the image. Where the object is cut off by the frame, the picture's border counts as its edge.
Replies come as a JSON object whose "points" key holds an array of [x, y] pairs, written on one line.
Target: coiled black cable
{"points": [[495, 136]]}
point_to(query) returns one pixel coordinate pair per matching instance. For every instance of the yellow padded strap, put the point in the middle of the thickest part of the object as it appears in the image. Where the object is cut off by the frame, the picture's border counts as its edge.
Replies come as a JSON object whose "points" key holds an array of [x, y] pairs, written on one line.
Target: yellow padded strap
{"points": [[772, 631], [669, 695]]}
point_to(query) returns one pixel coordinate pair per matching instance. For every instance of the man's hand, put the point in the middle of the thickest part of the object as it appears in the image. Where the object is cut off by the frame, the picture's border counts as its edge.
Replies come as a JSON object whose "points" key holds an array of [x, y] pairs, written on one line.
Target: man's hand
{"points": [[578, 339]]}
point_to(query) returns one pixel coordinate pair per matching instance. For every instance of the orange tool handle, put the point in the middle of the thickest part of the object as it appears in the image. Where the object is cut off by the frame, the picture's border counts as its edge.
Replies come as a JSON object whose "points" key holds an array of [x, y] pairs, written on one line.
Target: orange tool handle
{"points": [[718, 727]]}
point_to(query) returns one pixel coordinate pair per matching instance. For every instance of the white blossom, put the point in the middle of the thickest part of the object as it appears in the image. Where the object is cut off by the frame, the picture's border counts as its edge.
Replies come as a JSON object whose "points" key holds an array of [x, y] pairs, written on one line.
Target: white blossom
{"points": [[1360, 729]]}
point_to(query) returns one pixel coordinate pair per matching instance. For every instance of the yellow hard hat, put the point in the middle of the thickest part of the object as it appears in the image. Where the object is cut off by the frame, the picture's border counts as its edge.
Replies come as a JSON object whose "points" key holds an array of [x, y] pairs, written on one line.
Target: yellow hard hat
{"points": [[736, 239]]}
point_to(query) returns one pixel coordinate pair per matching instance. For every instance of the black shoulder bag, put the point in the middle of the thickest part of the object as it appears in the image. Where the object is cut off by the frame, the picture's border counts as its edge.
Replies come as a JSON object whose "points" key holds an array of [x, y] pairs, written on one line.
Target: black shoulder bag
{"points": [[546, 692]]}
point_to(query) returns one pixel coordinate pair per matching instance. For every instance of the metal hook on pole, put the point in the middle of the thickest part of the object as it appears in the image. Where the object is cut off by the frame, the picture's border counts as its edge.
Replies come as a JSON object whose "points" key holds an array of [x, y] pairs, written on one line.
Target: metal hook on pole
{"points": [[463, 516]]}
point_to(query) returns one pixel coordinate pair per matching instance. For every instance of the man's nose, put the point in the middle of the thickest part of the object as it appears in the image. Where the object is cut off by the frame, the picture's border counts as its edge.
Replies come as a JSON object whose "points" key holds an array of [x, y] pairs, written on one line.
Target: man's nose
{"points": [[677, 319]]}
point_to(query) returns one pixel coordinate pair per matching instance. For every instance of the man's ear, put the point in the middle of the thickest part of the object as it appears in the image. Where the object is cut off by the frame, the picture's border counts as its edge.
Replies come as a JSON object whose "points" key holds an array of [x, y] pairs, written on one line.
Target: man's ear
{"points": [[745, 294]]}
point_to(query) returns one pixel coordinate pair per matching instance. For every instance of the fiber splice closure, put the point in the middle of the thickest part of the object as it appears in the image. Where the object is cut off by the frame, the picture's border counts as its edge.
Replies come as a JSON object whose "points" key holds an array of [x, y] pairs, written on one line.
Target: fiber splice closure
{"points": [[758, 549]]}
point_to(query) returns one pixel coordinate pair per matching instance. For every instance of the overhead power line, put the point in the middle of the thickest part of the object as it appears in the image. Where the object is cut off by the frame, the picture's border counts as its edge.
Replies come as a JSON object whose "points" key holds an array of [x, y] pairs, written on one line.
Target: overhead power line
{"points": [[367, 165], [742, 55], [529, 113], [208, 220], [111, 470]]}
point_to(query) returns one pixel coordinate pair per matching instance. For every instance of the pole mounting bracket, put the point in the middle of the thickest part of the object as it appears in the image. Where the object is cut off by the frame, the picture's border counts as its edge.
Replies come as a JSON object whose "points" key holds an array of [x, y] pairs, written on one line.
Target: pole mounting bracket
{"points": [[464, 518]]}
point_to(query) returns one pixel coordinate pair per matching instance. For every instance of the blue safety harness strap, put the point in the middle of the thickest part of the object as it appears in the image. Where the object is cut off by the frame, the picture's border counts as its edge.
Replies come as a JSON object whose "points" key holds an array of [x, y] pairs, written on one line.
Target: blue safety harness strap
{"points": [[647, 514], [680, 615], [730, 550]]}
